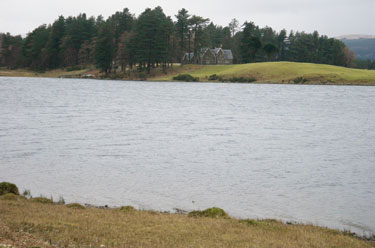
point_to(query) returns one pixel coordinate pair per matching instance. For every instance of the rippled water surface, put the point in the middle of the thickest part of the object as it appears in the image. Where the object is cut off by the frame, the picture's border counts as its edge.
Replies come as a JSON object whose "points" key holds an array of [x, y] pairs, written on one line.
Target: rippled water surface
{"points": [[296, 153]]}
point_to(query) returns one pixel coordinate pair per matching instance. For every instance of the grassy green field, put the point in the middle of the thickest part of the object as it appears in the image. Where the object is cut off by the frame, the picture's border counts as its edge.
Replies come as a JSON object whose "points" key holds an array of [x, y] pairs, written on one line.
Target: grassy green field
{"points": [[41, 223], [280, 72], [267, 72]]}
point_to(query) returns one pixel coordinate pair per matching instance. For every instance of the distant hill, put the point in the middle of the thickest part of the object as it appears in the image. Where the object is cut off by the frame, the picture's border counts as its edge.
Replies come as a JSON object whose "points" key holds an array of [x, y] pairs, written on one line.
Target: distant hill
{"points": [[355, 37], [362, 45]]}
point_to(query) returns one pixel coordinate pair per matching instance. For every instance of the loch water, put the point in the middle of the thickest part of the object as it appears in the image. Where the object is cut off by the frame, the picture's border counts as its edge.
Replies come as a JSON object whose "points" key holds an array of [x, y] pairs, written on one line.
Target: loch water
{"points": [[291, 152]]}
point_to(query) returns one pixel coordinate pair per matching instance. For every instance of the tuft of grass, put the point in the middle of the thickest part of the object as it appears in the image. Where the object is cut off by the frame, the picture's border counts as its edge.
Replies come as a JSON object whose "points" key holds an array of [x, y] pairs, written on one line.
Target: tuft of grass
{"points": [[250, 222], [42, 199], [127, 209], [209, 212], [75, 206], [6, 188]]}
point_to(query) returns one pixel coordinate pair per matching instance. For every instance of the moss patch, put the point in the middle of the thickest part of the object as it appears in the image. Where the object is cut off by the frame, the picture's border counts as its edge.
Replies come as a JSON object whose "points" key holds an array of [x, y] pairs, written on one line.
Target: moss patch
{"points": [[75, 206], [209, 212], [42, 199]]}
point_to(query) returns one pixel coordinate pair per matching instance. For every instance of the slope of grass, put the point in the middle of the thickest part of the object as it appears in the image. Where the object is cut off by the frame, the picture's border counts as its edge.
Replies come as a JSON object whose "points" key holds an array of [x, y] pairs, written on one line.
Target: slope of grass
{"points": [[282, 72], [28, 224]]}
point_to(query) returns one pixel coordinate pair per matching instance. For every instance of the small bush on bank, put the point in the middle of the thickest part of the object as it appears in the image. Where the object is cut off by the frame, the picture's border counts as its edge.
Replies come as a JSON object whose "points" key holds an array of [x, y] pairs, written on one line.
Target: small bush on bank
{"points": [[127, 209], [215, 77], [6, 188], [75, 206], [242, 79], [27, 193], [61, 201], [42, 199], [300, 80], [209, 212], [186, 78]]}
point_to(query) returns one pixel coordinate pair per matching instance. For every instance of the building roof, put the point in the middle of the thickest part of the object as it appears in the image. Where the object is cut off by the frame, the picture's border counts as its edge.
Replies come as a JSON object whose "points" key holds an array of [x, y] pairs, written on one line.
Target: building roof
{"points": [[187, 56], [216, 50], [228, 54]]}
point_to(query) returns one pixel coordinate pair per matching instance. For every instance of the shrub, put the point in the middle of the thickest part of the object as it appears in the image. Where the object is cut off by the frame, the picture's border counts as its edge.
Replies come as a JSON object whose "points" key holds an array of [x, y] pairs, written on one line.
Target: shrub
{"points": [[42, 199], [299, 80], [6, 187], [242, 80], [27, 193], [209, 212], [61, 200], [75, 206], [186, 78], [11, 197], [127, 209], [214, 77]]}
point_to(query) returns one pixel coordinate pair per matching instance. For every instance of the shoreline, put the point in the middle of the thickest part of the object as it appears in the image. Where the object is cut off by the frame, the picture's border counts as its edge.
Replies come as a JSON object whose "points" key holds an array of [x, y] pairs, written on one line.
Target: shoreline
{"points": [[27, 221], [366, 237], [47, 224], [178, 211], [292, 73], [209, 82]]}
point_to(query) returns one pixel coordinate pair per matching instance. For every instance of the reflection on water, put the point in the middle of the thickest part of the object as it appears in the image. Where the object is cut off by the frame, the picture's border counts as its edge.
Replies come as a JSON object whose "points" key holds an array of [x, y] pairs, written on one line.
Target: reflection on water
{"points": [[297, 153]]}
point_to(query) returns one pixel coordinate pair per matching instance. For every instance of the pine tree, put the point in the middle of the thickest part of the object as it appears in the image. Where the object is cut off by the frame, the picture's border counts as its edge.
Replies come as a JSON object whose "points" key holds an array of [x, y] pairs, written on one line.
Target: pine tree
{"points": [[182, 29], [104, 49], [54, 43], [152, 33]]}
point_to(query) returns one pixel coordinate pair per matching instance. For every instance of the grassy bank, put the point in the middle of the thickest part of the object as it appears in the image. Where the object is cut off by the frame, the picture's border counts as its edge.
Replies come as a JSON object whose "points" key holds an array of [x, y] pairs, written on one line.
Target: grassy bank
{"points": [[58, 73], [27, 223], [267, 72], [281, 72]]}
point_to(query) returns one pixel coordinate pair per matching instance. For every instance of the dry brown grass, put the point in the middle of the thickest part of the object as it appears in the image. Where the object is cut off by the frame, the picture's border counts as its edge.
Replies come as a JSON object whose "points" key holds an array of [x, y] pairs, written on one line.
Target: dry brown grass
{"points": [[26, 224]]}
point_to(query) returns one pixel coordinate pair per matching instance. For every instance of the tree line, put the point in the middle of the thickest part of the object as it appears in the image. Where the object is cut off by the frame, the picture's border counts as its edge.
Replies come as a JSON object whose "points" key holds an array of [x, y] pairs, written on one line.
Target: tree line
{"points": [[154, 40]]}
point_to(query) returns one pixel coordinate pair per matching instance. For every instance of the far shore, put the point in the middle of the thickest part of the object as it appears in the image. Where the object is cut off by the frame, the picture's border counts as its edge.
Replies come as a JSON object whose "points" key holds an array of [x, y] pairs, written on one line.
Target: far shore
{"points": [[260, 73]]}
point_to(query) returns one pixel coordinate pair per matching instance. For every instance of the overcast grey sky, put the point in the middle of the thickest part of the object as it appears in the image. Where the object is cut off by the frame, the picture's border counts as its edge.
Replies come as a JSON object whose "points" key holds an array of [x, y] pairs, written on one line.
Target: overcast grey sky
{"points": [[329, 17]]}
